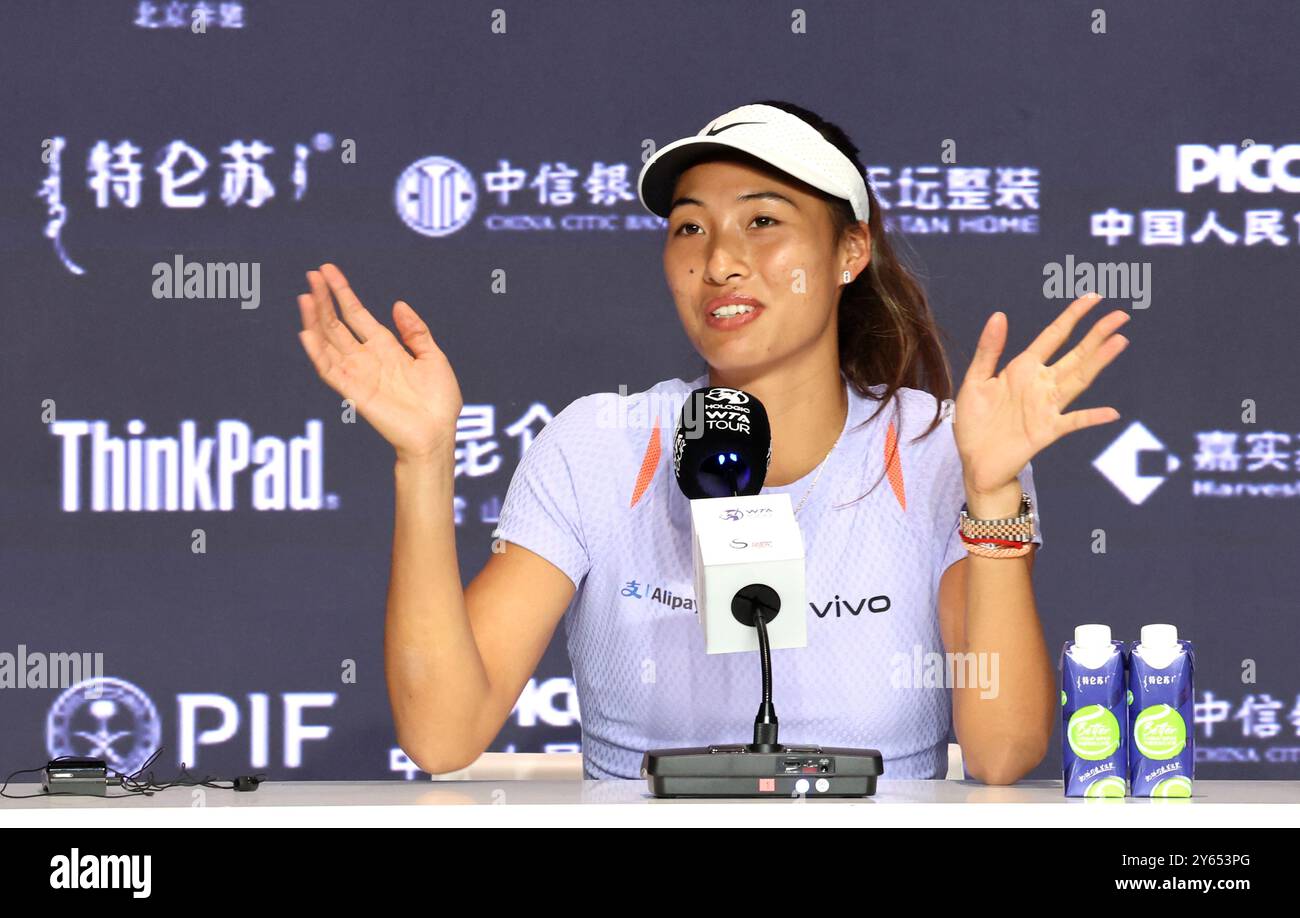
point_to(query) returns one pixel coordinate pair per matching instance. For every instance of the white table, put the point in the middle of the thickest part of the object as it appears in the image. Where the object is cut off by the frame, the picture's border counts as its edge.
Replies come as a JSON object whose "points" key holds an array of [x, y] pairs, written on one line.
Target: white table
{"points": [[536, 789]]}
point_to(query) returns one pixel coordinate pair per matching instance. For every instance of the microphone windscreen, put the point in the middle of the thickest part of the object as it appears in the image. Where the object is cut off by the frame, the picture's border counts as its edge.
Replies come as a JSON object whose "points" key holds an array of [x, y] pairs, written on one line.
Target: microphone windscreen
{"points": [[723, 444]]}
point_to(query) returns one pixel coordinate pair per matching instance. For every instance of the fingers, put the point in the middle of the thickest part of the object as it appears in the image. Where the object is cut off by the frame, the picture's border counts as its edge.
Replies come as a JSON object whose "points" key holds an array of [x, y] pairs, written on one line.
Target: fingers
{"points": [[1077, 369], [1086, 417], [1101, 331], [1051, 338], [992, 340], [415, 334], [331, 328], [322, 355], [355, 315]]}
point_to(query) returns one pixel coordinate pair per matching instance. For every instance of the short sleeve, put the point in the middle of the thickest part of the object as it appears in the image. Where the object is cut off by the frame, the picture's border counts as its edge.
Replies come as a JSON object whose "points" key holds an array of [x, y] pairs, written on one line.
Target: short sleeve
{"points": [[541, 510], [952, 495]]}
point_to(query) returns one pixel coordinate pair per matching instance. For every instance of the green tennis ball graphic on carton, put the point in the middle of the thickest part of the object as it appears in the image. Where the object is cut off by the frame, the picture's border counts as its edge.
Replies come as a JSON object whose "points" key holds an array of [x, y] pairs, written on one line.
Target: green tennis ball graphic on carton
{"points": [[1159, 732], [1173, 787], [1093, 733], [1113, 786]]}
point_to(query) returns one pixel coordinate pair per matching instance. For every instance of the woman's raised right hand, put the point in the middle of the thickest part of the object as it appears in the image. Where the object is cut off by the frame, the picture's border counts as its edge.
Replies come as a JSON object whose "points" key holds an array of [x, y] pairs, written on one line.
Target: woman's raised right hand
{"points": [[412, 398]]}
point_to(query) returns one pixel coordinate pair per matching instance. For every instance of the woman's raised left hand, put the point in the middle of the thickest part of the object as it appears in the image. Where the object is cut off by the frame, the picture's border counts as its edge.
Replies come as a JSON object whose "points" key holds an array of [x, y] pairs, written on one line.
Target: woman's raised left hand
{"points": [[1004, 419]]}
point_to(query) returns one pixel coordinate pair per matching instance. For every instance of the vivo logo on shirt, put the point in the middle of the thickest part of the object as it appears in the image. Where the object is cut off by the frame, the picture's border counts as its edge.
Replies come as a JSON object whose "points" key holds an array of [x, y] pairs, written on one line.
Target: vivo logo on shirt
{"points": [[841, 607]]}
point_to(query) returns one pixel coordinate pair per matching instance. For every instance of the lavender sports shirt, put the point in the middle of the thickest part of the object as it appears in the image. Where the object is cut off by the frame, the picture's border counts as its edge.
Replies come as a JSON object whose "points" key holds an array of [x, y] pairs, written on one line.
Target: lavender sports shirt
{"points": [[595, 495]]}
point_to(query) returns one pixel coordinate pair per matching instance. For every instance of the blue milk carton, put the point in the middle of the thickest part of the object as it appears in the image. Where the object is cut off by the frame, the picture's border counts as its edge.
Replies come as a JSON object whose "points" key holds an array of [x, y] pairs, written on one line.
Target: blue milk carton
{"points": [[1094, 716], [1162, 751]]}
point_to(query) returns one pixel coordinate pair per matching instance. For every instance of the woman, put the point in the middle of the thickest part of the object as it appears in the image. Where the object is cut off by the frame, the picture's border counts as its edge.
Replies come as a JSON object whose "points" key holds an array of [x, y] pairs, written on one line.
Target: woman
{"points": [[787, 286]]}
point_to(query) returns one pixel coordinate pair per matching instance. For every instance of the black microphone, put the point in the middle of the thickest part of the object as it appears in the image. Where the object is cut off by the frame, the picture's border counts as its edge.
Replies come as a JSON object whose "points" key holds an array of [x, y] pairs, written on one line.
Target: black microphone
{"points": [[723, 445]]}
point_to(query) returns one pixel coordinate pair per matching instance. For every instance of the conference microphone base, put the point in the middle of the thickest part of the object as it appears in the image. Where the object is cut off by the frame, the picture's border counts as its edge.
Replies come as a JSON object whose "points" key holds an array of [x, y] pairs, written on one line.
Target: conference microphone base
{"points": [[737, 771]]}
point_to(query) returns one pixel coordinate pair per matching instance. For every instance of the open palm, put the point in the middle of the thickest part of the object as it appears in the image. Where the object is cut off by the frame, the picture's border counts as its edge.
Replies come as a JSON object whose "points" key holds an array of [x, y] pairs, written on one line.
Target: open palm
{"points": [[1004, 419], [409, 394]]}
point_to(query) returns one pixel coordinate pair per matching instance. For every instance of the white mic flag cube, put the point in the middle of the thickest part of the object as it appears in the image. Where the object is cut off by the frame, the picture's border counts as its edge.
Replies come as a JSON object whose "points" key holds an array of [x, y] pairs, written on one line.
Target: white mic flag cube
{"points": [[739, 541]]}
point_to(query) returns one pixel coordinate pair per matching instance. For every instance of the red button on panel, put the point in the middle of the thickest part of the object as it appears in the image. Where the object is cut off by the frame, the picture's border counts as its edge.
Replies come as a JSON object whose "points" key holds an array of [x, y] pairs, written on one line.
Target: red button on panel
{"points": [[767, 784]]}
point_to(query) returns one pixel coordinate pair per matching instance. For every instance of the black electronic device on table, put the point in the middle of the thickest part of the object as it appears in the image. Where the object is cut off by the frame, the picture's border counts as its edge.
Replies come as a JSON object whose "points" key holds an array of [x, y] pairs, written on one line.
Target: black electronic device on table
{"points": [[75, 775], [734, 771]]}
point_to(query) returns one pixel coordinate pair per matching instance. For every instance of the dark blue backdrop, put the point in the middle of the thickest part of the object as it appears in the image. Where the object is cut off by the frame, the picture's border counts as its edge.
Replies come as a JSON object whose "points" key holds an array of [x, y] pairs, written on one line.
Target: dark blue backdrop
{"points": [[1003, 137]]}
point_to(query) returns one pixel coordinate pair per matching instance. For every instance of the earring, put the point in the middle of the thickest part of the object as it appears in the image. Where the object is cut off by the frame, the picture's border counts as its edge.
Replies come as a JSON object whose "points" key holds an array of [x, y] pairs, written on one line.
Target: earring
{"points": [[847, 278]]}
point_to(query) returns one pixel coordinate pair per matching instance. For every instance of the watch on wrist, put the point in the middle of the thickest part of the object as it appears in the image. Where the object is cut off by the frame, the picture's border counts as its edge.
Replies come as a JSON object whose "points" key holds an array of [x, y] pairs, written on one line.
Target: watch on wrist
{"points": [[1012, 529]]}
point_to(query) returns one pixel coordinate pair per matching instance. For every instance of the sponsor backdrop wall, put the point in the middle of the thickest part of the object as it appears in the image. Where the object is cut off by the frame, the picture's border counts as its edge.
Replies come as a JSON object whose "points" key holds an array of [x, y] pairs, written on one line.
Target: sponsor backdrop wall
{"points": [[481, 166]]}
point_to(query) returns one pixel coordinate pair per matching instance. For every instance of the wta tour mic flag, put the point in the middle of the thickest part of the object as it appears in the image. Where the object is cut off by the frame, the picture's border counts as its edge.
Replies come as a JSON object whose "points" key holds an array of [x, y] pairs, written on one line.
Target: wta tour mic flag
{"points": [[723, 444]]}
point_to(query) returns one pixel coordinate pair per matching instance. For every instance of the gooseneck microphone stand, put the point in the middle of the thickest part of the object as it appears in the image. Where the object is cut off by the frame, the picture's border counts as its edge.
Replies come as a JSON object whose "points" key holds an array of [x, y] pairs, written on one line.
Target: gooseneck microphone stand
{"points": [[765, 722], [759, 613]]}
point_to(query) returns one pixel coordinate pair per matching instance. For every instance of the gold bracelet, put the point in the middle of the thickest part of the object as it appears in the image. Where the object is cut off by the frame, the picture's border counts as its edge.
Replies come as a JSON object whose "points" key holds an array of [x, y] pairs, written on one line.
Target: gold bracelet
{"points": [[1017, 529]]}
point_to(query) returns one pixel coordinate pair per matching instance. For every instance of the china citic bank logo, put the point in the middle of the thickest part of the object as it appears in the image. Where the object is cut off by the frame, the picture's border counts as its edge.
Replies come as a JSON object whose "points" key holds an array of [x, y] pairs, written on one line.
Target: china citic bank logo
{"points": [[435, 196]]}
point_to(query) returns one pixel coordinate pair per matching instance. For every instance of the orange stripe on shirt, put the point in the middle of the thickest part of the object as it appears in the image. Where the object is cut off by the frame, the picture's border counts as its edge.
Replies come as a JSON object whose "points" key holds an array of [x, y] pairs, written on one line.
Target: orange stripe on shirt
{"points": [[649, 463], [894, 466]]}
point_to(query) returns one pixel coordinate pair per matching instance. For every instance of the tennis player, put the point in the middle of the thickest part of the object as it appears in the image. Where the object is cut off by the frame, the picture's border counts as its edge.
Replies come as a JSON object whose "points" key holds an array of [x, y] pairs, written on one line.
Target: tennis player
{"points": [[919, 519]]}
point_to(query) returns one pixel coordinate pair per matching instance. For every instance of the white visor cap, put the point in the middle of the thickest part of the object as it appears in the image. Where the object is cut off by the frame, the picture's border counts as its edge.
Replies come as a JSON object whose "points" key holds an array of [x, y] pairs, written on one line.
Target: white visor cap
{"points": [[768, 133]]}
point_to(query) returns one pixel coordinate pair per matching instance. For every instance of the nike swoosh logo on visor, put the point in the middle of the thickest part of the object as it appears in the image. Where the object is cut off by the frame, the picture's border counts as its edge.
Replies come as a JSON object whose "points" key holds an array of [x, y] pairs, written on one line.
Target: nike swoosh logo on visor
{"points": [[732, 125]]}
